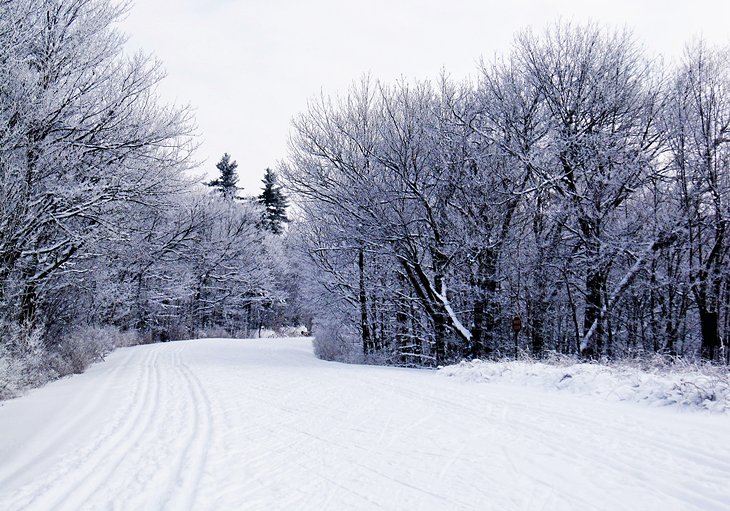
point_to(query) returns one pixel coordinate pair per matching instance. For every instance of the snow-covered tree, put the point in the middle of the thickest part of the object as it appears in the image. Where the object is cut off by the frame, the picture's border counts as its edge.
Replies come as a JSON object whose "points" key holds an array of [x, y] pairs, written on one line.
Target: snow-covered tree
{"points": [[275, 203], [82, 135], [548, 190], [603, 104], [226, 183], [99, 227], [698, 125]]}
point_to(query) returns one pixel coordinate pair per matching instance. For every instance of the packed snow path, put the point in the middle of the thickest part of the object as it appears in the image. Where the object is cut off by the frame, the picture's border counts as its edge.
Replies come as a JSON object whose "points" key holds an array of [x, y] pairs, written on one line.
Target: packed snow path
{"points": [[233, 424]]}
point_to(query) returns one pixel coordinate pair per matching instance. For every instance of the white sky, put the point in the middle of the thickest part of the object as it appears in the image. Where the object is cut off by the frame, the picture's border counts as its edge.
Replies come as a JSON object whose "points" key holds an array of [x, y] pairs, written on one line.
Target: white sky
{"points": [[249, 66]]}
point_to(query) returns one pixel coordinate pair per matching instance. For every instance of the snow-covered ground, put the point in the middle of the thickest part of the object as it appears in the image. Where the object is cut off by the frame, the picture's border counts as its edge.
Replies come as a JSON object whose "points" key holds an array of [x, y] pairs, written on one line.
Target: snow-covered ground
{"points": [[699, 387], [232, 424]]}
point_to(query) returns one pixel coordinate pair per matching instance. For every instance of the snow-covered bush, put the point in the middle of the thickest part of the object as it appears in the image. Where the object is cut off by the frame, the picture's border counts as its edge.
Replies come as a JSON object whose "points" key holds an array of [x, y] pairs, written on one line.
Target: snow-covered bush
{"points": [[292, 331], [88, 344], [282, 332], [26, 361], [330, 342]]}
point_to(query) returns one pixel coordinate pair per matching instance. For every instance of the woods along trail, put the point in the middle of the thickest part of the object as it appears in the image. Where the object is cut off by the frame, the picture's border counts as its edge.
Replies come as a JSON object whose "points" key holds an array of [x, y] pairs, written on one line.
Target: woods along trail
{"points": [[262, 424]]}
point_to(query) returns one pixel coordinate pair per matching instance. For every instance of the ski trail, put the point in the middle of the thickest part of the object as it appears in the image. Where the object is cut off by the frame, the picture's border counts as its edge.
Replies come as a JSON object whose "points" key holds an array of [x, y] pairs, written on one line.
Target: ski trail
{"points": [[137, 434], [194, 454], [52, 434], [226, 424], [70, 477]]}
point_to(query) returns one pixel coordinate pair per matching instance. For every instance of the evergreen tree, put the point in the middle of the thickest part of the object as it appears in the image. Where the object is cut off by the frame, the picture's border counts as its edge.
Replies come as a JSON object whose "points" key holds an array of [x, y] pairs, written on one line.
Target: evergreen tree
{"points": [[226, 183], [275, 204]]}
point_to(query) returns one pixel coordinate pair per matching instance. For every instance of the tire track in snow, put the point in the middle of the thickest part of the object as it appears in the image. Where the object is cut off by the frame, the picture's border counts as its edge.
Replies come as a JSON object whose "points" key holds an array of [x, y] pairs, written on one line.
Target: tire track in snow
{"points": [[69, 480]]}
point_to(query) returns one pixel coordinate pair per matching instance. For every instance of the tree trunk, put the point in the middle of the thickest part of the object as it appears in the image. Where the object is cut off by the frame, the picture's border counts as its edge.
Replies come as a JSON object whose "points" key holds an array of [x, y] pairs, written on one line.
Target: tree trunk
{"points": [[364, 325], [28, 304], [439, 328], [403, 333], [482, 333], [434, 303], [537, 325], [595, 282], [709, 325], [477, 331]]}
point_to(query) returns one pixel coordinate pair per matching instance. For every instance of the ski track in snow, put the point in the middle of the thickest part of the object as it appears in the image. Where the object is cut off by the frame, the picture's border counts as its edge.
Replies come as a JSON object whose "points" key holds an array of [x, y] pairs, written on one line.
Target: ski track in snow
{"points": [[239, 424]]}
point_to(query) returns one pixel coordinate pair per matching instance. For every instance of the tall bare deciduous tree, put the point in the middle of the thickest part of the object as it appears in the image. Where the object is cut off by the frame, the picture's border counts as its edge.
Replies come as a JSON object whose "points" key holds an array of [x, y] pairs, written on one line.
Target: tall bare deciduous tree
{"points": [[698, 123]]}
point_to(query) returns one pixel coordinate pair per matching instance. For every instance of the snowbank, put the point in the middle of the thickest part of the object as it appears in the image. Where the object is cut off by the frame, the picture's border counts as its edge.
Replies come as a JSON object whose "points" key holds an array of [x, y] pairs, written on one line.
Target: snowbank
{"points": [[692, 387]]}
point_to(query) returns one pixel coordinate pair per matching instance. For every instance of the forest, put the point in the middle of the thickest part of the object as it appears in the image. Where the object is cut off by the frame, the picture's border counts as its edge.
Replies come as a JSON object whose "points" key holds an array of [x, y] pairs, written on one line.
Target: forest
{"points": [[107, 238], [576, 183]]}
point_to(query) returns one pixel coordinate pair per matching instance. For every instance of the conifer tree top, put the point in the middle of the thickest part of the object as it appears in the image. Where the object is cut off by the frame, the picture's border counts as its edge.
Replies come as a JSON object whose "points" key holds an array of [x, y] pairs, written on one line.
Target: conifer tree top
{"points": [[227, 182], [275, 203]]}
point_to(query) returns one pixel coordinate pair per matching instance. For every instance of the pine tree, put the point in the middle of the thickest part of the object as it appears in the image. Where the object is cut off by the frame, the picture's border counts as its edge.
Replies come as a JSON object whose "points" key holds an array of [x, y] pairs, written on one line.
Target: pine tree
{"points": [[226, 183], [275, 202]]}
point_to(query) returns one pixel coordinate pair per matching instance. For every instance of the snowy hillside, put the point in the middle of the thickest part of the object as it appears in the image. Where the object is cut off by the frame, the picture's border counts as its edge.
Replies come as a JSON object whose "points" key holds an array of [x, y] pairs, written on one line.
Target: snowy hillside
{"points": [[234, 424]]}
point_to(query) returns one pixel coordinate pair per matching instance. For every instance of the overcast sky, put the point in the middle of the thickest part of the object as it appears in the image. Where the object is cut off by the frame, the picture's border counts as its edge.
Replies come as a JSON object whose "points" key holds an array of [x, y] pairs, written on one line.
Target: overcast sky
{"points": [[248, 66]]}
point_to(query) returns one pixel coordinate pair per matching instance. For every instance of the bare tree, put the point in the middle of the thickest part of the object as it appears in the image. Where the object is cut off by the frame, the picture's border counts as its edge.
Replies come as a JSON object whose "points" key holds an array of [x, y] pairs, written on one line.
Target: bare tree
{"points": [[603, 104], [83, 133], [698, 123]]}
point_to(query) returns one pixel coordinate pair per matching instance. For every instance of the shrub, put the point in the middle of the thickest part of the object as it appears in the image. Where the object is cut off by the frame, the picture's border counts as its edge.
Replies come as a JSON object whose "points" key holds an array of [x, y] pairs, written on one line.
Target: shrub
{"points": [[331, 342], [29, 359]]}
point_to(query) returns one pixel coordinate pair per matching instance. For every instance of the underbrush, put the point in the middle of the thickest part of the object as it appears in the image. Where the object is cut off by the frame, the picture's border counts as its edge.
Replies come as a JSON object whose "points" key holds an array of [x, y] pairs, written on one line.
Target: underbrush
{"points": [[256, 333], [331, 342], [656, 381], [29, 359]]}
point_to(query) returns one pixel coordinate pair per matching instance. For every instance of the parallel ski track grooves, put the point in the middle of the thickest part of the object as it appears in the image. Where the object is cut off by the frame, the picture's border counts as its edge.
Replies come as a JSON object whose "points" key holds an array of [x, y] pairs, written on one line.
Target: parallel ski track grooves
{"points": [[105, 469], [74, 483], [79, 418], [183, 487], [92, 460]]}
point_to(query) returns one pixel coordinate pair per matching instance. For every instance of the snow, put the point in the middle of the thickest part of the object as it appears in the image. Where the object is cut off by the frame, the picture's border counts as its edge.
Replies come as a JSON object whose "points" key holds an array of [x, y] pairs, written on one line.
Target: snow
{"points": [[702, 388], [262, 424]]}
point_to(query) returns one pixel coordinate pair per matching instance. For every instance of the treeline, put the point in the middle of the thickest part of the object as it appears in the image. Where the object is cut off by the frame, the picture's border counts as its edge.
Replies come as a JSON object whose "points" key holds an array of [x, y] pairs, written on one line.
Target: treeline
{"points": [[577, 184], [103, 238]]}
